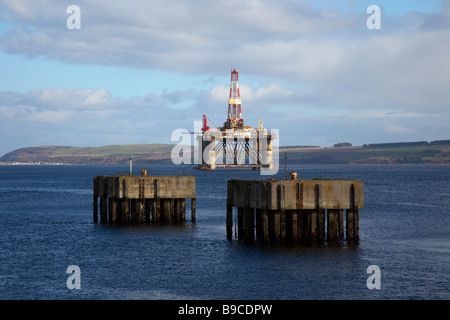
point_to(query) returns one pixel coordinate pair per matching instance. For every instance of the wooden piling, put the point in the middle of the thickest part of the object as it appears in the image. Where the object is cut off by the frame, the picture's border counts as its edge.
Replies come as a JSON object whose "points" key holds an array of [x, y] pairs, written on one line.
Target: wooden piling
{"points": [[281, 214], [332, 221], [103, 209], [193, 210], [306, 225], [125, 211], [249, 224], [154, 212], [229, 219], [183, 210], [165, 215], [95, 200], [265, 212], [125, 199], [157, 205], [113, 204], [313, 221], [314, 214], [321, 224], [265, 223], [248, 219], [355, 224], [349, 221], [176, 211], [259, 223], [293, 228], [133, 211], [288, 226], [147, 210], [240, 221], [320, 215], [340, 223], [294, 210], [352, 218]]}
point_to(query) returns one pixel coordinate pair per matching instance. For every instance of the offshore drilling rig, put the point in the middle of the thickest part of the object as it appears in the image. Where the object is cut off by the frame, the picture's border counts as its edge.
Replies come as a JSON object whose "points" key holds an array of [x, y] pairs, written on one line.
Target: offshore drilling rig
{"points": [[235, 145]]}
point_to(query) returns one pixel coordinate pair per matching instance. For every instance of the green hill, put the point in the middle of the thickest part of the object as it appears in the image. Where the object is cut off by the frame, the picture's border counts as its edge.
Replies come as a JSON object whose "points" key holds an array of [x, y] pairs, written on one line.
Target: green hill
{"points": [[436, 152], [423, 154], [115, 154]]}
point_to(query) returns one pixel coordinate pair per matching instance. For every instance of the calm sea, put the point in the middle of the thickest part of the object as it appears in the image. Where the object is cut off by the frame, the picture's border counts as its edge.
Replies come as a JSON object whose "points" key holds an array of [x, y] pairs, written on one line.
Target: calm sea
{"points": [[46, 225]]}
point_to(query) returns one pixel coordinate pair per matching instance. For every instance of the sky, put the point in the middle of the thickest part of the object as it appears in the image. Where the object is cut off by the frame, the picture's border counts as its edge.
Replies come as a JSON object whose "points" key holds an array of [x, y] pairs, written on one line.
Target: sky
{"points": [[137, 70]]}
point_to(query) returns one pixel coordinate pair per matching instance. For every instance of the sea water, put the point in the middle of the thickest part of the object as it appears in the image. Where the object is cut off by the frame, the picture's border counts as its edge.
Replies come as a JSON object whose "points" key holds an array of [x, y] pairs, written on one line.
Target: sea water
{"points": [[46, 225]]}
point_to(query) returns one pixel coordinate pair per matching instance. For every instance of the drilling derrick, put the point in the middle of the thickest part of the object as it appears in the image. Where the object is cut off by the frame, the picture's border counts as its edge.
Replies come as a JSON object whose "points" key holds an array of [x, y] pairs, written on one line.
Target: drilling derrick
{"points": [[234, 118], [235, 145]]}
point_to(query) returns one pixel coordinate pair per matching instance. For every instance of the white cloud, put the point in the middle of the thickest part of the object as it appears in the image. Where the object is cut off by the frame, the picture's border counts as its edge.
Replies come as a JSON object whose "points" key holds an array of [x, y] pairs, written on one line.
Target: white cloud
{"points": [[219, 92], [323, 48], [397, 128], [70, 116], [309, 59], [70, 98], [72, 108]]}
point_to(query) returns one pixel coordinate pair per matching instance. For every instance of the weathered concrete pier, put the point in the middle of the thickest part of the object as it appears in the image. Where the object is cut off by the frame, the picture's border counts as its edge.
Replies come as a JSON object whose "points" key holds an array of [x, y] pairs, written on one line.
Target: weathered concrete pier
{"points": [[294, 210], [125, 199]]}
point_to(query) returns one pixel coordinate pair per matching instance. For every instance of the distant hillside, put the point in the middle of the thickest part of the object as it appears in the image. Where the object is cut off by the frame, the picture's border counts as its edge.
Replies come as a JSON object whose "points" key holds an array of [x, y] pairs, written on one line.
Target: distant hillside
{"points": [[386, 154], [407, 144], [116, 154], [436, 152]]}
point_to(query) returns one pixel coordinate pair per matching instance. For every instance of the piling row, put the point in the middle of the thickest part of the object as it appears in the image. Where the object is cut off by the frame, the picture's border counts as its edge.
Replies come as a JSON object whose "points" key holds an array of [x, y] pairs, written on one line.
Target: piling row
{"points": [[293, 210], [143, 199]]}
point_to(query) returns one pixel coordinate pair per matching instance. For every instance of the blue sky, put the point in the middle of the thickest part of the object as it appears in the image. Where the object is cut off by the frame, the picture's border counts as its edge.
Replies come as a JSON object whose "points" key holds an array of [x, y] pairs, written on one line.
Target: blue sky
{"points": [[138, 70], [394, 7], [42, 72]]}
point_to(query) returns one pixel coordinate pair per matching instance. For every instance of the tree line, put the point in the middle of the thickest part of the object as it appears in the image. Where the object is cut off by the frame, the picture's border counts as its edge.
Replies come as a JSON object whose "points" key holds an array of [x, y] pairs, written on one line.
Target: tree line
{"points": [[406, 144]]}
